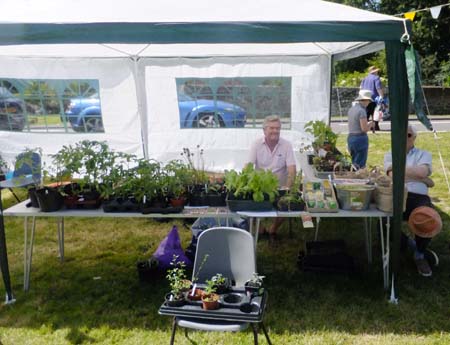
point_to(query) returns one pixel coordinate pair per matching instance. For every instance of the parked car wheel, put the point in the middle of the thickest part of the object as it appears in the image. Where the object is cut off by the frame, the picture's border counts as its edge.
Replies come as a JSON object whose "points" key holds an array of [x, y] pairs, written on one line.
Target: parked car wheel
{"points": [[208, 120], [12, 116], [93, 124]]}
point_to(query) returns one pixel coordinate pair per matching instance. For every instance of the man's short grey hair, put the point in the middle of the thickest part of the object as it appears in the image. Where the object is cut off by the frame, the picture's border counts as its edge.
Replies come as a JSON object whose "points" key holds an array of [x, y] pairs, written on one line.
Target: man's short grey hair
{"points": [[271, 118], [413, 130]]}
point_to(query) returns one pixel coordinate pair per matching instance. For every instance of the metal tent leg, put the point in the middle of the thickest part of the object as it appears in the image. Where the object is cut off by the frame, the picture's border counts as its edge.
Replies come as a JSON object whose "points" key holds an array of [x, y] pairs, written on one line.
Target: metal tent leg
{"points": [[316, 236], [385, 252], [61, 238], [28, 252], [368, 234]]}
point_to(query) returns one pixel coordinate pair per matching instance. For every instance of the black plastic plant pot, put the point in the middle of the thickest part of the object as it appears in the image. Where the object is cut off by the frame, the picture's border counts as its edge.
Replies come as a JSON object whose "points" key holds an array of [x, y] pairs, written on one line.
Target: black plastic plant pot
{"points": [[216, 200], [147, 273], [171, 302], [33, 198], [49, 199], [254, 290]]}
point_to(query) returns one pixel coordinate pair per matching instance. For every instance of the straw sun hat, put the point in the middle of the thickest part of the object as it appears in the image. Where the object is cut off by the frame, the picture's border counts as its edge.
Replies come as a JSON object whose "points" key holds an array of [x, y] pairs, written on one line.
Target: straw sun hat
{"points": [[364, 95], [373, 69], [425, 222]]}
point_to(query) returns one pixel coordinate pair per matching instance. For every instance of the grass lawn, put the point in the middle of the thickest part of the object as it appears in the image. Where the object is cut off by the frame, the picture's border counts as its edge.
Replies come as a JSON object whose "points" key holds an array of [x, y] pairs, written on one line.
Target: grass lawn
{"points": [[95, 297]]}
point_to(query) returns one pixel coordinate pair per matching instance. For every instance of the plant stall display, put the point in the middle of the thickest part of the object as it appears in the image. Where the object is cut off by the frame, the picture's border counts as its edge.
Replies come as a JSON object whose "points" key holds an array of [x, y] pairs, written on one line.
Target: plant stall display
{"points": [[251, 190]]}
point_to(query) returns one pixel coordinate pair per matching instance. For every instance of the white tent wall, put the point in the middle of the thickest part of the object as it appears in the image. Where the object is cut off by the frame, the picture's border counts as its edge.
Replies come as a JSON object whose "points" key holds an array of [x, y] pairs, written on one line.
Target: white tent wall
{"points": [[228, 148], [117, 96]]}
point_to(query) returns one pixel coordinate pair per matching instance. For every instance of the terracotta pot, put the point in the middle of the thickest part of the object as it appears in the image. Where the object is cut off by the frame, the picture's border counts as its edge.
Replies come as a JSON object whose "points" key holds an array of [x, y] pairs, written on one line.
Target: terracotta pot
{"points": [[177, 202], [210, 301], [197, 295]]}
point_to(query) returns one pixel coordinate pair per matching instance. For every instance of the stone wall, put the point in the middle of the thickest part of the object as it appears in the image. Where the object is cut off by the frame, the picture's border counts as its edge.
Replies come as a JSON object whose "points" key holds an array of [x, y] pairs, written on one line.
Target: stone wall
{"points": [[438, 100]]}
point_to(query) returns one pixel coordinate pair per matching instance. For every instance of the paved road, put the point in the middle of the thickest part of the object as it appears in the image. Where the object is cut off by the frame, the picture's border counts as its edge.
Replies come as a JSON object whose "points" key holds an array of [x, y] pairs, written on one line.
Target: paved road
{"points": [[440, 125]]}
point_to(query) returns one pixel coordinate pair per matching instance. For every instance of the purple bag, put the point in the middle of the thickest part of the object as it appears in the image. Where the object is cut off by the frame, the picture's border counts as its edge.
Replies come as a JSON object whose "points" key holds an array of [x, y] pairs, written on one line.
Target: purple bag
{"points": [[169, 247]]}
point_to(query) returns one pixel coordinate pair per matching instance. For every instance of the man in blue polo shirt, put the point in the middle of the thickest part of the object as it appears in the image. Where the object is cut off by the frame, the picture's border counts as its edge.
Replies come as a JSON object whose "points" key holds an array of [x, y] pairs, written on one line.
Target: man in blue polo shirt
{"points": [[373, 83]]}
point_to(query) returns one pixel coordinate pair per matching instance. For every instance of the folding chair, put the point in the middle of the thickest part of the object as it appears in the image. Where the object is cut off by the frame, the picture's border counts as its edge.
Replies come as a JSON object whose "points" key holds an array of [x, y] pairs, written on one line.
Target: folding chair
{"points": [[230, 252]]}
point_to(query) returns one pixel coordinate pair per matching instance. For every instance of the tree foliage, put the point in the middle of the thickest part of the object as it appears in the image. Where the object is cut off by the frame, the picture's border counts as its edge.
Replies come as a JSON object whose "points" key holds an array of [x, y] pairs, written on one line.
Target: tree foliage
{"points": [[430, 37]]}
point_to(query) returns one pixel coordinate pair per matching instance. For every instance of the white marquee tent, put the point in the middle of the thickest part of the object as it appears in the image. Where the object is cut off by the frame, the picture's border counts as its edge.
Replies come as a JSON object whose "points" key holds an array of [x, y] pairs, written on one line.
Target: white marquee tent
{"points": [[137, 48]]}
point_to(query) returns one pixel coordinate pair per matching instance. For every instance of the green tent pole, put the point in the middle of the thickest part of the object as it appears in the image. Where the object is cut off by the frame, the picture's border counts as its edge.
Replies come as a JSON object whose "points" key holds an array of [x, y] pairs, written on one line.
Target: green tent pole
{"points": [[398, 105]]}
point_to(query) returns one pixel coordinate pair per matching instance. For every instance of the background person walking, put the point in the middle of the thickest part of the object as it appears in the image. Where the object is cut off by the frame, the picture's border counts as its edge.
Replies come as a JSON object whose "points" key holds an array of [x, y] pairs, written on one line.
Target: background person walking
{"points": [[358, 126], [373, 83]]}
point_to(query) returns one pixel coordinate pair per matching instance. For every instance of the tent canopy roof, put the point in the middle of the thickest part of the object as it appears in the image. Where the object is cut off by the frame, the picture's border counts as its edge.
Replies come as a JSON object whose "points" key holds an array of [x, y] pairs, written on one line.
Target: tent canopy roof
{"points": [[172, 21]]}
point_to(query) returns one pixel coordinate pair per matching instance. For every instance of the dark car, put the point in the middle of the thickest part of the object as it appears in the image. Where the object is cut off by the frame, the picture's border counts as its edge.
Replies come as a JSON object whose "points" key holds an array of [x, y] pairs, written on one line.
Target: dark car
{"points": [[205, 113], [85, 114], [12, 117]]}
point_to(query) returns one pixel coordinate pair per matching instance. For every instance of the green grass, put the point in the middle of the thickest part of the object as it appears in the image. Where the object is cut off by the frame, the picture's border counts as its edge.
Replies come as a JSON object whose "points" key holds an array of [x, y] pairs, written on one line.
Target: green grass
{"points": [[94, 297]]}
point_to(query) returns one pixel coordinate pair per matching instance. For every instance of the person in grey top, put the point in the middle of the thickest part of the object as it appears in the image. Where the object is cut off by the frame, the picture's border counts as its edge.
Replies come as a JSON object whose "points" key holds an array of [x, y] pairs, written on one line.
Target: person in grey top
{"points": [[358, 126]]}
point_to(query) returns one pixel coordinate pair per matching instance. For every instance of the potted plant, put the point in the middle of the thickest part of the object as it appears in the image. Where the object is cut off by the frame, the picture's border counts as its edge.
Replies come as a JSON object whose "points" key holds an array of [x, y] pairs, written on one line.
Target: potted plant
{"points": [[91, 162], [254, 285], [324, 137], [210, 299], [216, 193], [118, 186], [222, 283], [195, 294], [178, 177], [251, 190], [177, 282], [196, 165], [292, 199]]}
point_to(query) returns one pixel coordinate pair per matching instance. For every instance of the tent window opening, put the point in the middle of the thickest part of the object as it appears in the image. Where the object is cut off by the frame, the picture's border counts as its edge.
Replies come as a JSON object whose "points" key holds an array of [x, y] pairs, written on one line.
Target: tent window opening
{"points": [[241, 102], [50, 106]]}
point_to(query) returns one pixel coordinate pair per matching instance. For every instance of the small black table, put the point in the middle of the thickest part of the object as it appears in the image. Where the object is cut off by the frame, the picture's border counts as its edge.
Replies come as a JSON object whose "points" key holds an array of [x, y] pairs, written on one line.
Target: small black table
{"points": [[250, 309]]}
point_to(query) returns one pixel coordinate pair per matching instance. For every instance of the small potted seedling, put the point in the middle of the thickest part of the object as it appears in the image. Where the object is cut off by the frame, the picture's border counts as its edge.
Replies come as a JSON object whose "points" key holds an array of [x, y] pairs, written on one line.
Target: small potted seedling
{"points": [[195, 294], [222, 283], [255, 285], [210, 298], [178, 283]]}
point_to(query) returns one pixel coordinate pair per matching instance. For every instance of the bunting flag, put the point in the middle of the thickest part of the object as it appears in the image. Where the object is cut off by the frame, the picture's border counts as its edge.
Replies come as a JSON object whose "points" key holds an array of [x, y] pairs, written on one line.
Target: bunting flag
{"points": [[435, 11], [410, 15]]}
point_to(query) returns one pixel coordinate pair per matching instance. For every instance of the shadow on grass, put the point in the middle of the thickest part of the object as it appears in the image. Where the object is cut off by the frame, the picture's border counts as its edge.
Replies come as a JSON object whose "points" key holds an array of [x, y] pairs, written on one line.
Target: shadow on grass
{"points": [[98, 284]]}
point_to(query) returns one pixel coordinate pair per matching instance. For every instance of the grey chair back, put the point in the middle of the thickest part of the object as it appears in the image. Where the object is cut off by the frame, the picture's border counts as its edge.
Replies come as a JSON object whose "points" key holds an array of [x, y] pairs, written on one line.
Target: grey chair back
{"points": [[230, 252], [28, 163]]}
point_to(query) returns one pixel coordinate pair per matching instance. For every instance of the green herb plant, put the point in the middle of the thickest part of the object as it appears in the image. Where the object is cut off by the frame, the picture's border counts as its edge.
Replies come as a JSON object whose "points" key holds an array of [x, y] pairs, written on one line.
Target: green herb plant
{"points": [[252, 183], [177, 278], [323, 134]]}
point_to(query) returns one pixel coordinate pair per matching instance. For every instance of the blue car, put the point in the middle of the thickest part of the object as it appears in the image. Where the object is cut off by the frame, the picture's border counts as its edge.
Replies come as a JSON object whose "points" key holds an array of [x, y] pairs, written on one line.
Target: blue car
{"points": [[85, 114], [12, 117], [205, 113]]}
